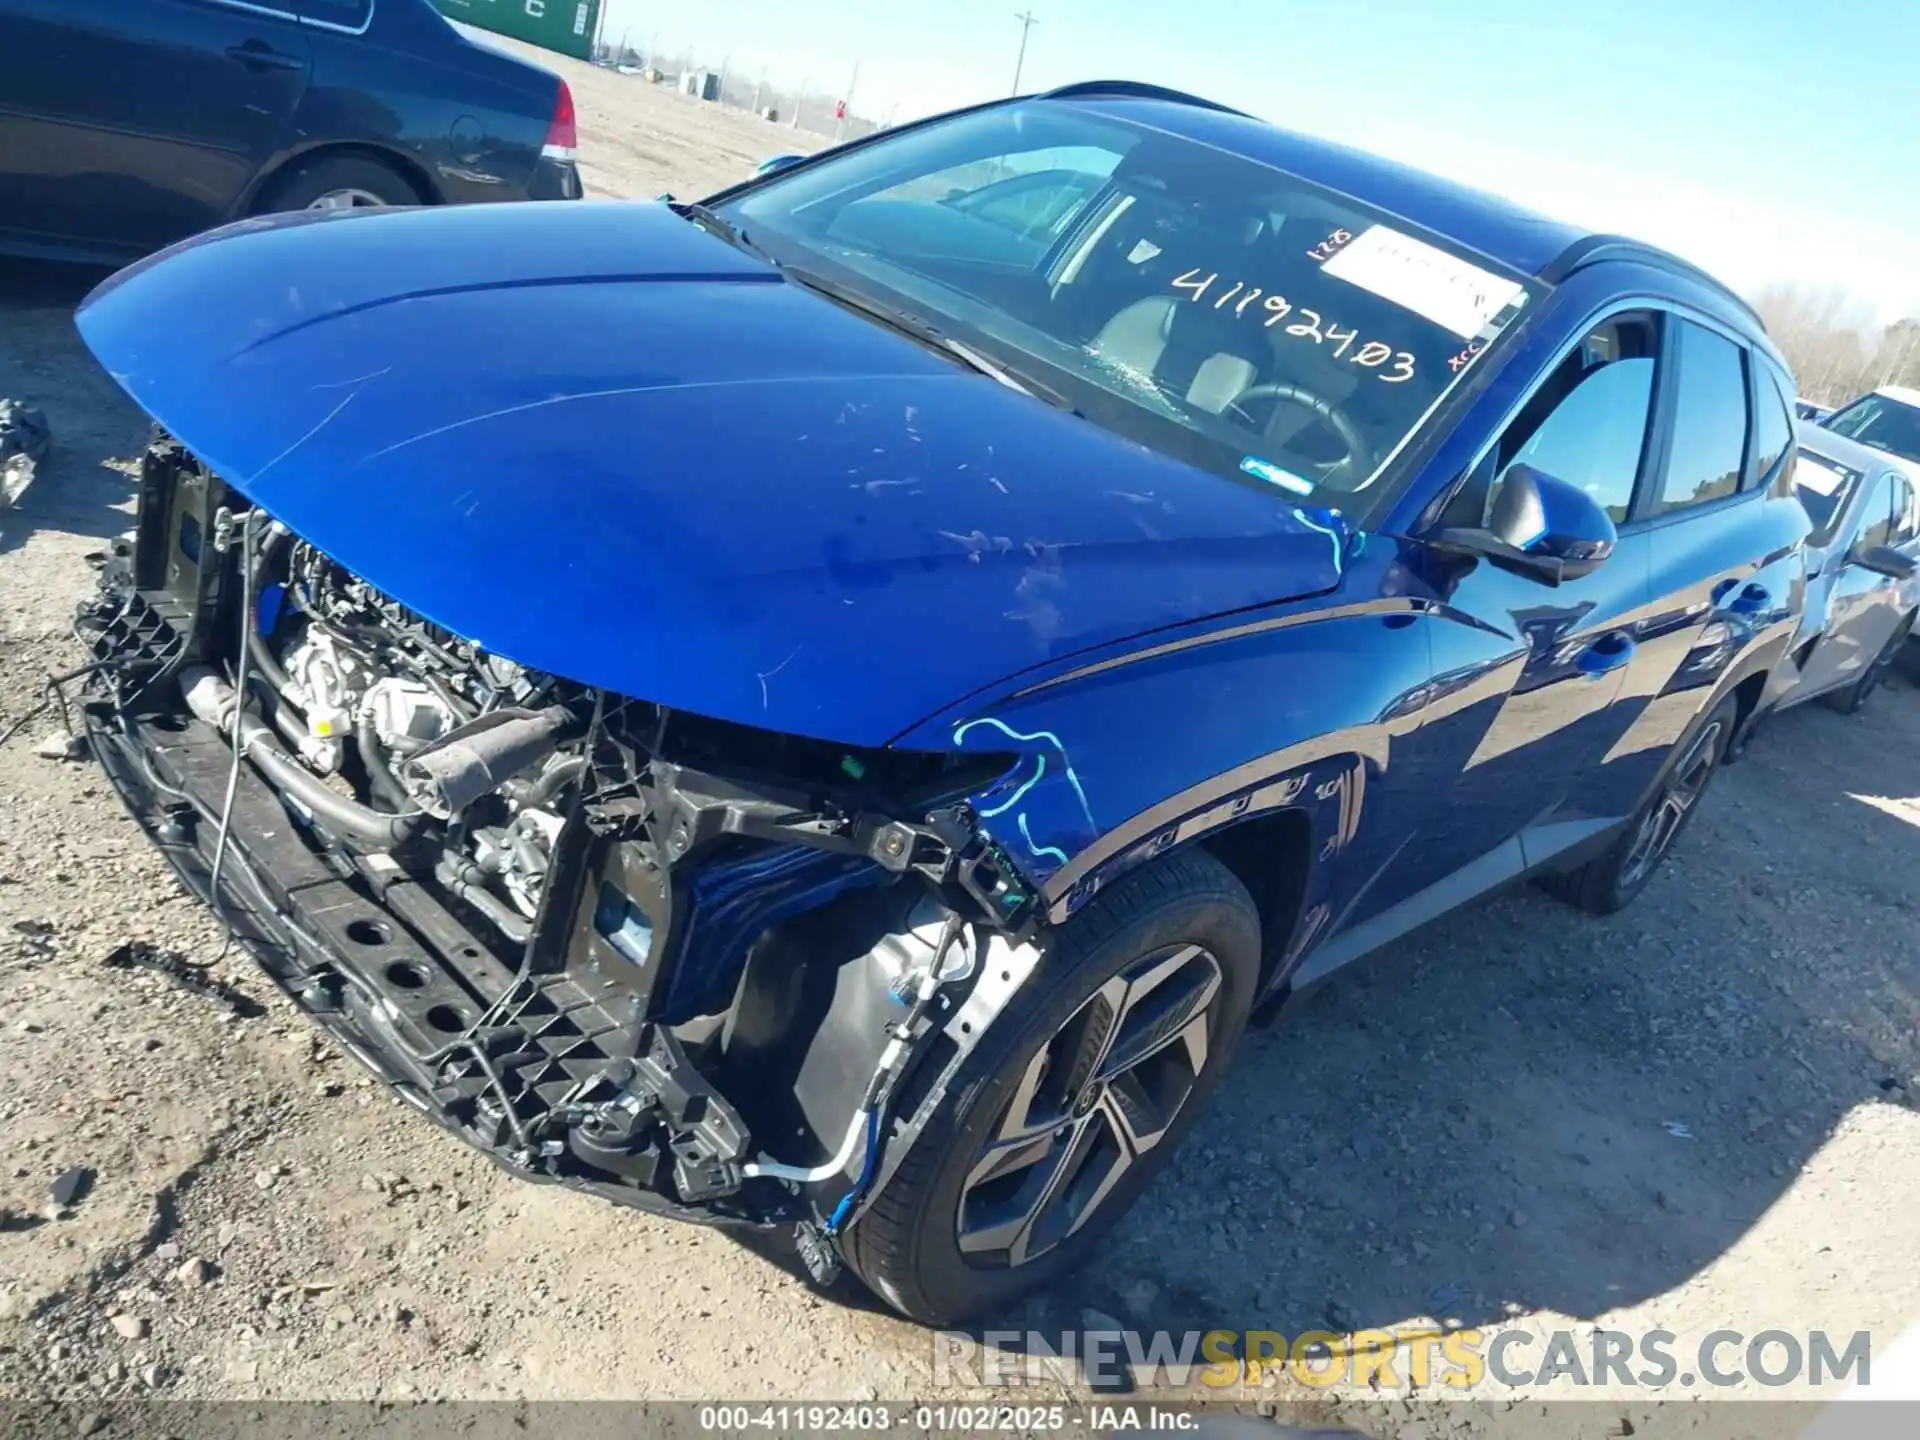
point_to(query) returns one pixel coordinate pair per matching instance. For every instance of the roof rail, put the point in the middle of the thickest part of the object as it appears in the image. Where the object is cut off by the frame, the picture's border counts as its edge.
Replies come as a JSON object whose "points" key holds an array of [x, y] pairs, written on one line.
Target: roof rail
{"points": [[1592, 249], [1133, 90]]}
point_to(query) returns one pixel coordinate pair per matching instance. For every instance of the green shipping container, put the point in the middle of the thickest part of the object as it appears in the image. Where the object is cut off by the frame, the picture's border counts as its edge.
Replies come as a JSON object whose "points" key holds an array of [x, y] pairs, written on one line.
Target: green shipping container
{"points": [[563, 25]]}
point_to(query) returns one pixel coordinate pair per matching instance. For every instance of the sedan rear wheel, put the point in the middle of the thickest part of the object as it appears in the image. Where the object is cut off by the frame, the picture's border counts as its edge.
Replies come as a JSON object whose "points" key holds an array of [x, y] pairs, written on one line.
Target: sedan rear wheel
{"points": [[338, 182], [349, 198]]}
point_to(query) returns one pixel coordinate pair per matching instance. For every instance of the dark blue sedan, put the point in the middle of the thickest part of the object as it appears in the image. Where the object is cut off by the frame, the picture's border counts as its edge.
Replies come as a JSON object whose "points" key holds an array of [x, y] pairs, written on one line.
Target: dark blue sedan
{"points": [[128, 124], [832, 708]]}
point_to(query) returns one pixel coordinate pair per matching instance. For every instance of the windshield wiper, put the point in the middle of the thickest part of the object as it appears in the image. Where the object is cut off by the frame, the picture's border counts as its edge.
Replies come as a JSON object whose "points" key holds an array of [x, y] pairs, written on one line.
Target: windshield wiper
{"points": [[915, 328], [995, 371], [714, 223]]}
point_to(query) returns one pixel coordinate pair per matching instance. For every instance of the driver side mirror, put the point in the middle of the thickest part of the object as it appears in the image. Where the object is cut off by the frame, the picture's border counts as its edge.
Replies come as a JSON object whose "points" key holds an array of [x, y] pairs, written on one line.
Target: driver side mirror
{"points": [[773, 164], [1884, 560], [1540, 527]]}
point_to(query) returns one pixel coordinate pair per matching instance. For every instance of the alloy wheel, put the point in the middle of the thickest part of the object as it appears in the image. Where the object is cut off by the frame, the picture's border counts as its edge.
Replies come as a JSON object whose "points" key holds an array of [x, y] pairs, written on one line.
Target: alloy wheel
{"points": [[1098, 1095], [1669, 811], [349, 198]]}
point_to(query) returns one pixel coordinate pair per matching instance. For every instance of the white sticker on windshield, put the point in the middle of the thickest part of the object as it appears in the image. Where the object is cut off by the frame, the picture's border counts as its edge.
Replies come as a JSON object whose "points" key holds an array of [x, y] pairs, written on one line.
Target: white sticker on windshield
{"points": [[1143, 251], [1423, 279], [1818, 476]]}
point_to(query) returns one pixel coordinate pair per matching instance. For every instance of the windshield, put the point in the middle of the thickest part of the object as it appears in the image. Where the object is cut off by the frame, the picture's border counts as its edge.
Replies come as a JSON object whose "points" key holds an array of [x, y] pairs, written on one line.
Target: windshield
{"points": [[1882, 422], [1203, 304]]}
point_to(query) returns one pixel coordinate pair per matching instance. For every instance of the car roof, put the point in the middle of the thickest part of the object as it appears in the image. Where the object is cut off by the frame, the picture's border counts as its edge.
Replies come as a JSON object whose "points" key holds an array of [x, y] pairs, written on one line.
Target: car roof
{"points": [[1827, 445], [1902, 393], [1516, 237]]}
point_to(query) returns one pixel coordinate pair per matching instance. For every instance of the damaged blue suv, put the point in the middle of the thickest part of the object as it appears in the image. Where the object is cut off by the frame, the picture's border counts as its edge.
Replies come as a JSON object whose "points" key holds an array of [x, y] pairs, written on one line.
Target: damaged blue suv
{"points": [[831, 708]]}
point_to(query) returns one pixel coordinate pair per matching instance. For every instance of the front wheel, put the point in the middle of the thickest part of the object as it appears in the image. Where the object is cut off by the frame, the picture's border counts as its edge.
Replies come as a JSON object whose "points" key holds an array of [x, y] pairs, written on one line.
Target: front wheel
{"points": [[1610, 882], [1074, 1099]]}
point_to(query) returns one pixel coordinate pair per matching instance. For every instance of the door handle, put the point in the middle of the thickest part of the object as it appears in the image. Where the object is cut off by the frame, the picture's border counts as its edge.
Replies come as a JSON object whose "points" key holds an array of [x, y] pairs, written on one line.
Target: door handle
{"points": [[1606, 654], [258, 55]]}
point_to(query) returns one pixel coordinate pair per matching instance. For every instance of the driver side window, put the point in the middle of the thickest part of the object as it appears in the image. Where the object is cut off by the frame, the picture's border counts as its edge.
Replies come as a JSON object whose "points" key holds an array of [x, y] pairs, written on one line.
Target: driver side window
{"points": [[1587, 423]]}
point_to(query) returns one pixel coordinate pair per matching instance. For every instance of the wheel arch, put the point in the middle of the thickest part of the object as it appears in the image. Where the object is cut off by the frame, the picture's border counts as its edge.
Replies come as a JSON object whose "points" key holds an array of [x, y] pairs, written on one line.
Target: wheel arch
{"points": [[1272, 855], [408, 167], [1748, 697]]}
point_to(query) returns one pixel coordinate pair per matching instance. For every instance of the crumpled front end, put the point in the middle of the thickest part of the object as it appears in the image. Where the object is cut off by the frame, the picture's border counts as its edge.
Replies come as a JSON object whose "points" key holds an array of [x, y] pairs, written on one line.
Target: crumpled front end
{"points": [[687, 964]]}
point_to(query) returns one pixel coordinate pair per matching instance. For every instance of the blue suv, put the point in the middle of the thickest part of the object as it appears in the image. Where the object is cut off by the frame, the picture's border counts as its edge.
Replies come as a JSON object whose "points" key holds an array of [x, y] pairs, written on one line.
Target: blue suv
{"points": [[832, 707]]}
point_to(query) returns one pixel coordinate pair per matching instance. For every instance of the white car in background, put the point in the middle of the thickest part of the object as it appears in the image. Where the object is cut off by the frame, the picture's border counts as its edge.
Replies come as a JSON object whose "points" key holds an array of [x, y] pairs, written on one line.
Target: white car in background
{"points": [[1886, 419], [1863, 569]]}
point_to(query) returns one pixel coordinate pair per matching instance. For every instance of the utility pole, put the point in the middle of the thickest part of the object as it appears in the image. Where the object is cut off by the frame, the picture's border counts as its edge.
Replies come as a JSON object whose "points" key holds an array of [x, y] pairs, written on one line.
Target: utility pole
{"points": [[844, 109], [1027, 21], [799, 100]]}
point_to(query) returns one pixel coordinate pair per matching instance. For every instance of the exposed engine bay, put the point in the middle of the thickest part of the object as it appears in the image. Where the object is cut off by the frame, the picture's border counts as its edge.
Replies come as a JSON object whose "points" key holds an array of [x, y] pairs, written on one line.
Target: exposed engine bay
{"points": [[714, 971]]}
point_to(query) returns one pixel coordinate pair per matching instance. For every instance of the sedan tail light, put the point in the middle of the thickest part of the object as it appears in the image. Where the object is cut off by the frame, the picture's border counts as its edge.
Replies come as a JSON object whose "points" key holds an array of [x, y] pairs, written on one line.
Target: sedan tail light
{"points": [[563, 136]]}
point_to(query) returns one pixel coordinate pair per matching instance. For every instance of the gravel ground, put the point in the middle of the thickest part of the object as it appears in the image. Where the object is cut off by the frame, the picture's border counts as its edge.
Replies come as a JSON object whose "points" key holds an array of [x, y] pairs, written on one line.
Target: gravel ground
{"points": [[1699, 1112]]}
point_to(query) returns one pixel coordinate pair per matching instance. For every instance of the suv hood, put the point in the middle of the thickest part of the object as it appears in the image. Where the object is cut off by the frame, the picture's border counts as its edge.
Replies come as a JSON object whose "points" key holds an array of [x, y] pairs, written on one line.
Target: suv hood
{"points": [[604, 443]]}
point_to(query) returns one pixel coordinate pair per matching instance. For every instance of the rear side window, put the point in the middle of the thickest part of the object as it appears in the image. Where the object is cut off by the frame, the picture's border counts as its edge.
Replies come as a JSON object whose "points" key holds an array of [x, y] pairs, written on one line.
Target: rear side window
{"points": [[1587, 424], [1772, 428], [1709, 420]]}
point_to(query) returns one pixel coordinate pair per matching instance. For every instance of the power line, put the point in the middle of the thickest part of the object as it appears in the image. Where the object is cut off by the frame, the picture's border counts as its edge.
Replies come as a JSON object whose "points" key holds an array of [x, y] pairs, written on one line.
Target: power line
{"points": [[1027, 21]]}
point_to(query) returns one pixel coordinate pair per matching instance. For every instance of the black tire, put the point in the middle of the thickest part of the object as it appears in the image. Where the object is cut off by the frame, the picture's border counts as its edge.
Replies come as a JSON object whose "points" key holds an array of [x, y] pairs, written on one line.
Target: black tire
{"points": [[1611, 881], [304, 184], [1849, 700], [907, 1247]]}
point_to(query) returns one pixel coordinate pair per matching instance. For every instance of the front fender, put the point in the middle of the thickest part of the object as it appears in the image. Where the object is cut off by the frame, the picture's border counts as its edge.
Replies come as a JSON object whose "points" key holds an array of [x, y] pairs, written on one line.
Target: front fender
{"points": [[1126, 757]]}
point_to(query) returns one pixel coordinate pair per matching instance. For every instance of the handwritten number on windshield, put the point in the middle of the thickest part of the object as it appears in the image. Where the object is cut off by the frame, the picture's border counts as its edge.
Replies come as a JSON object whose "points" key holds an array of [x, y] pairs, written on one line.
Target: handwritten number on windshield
{"points": [[1309, 325], [1307, 328], [1188, 282], [1465, 358], [1331, 246]]}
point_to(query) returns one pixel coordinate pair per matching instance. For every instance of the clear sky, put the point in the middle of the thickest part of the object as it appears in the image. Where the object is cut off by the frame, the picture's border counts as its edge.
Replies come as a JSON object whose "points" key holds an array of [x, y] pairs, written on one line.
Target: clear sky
{"points": [[1764, 139]]}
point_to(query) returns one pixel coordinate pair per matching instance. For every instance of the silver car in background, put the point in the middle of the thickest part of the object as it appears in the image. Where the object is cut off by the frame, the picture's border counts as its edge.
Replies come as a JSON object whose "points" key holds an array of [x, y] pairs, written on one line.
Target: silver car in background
{"points": [[1862, 559]]}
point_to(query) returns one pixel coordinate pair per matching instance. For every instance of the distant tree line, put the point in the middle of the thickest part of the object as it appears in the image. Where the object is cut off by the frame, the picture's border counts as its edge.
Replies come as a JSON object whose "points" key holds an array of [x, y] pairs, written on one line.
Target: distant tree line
{"points": [[1833, 344]]}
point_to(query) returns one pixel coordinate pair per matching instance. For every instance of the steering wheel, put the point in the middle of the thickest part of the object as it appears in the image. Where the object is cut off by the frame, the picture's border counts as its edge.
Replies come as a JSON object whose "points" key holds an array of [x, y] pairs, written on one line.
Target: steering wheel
{"points": [[1357, 450]]}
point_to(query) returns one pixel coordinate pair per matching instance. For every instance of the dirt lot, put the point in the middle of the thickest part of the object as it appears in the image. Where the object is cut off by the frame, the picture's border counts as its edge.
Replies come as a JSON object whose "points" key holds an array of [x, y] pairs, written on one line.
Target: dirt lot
{"points": [[1696, 1113]]}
